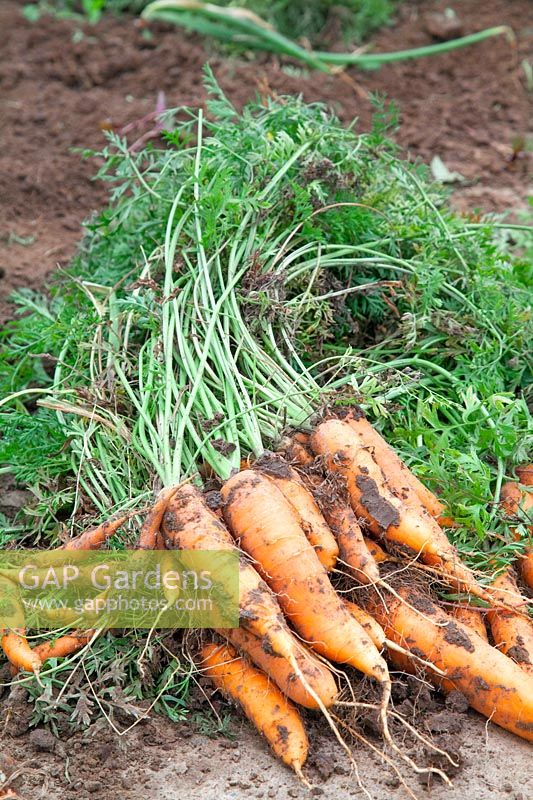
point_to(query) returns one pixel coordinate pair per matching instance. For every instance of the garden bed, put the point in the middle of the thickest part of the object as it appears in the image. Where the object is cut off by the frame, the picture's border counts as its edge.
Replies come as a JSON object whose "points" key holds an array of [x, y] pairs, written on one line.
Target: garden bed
{"points": [[63, 82]]}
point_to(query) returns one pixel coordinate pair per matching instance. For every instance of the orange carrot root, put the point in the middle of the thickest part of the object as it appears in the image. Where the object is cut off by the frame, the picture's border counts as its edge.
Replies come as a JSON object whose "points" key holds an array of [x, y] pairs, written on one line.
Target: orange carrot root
{"points": [[317, 675], [265, 706], [64, 646], [385, 513], [447, 522], [315, 527], [297, 450], [96, 537], [399, 477], [368, 623], [492, 683], [150, 529], [471, 617], [160, 541], [268, 529], [512, 633], [525, 563], [525, 474], [18, 652], [188, 524], [378, 553], [518, 503], [353, 550]]}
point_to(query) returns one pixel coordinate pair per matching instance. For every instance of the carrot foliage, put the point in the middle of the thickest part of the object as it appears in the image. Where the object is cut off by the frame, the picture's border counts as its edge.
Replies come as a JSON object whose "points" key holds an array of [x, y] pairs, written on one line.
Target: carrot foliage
{"points": [[253, 268]]}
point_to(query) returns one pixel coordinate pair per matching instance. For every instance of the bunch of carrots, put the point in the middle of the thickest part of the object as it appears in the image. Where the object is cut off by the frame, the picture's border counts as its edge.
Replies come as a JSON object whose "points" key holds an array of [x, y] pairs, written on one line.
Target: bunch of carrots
{"points": [[338, 507]]}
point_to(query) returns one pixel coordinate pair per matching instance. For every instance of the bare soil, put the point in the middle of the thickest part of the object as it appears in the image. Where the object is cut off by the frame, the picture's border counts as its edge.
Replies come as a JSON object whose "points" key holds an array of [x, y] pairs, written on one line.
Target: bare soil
{"points": [[167, 761], [61, 85]]}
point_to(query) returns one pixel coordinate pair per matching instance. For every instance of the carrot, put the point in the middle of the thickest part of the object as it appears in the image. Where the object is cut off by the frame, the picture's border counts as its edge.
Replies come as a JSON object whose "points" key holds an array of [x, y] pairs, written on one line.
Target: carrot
{"points": [[377, 634], [96, 537], [525, 474], [512, 633], [399, 477], [268, 529], [64, 646], [506, 590], [511, 497], [188, 524], [514, 501], [493, 684], [385, 513], [368, 623], [353, 550], [526, 567], [311, 520], [281, 672], [471, 617], [18, 652], [149, 532], [266, 707], [297, 451], [302, 437], [446, 522], [378, 554]]}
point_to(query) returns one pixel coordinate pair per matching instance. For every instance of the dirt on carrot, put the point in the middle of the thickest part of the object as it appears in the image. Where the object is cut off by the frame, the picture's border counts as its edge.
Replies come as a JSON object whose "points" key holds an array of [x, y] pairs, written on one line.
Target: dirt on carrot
{"points": [[375, 505]]}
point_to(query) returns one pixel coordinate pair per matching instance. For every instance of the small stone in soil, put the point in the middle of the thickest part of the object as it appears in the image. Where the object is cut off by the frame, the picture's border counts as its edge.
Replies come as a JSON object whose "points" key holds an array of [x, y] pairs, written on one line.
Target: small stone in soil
{"points": [[43, 740], [341, 769], [391, 783], [93, 786], [443, 26], [456, 701], [443, 722]]}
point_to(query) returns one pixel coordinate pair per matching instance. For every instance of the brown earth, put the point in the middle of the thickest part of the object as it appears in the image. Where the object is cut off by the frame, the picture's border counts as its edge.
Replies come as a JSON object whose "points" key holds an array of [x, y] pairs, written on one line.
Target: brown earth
{"points": [[62, 82], [160, 760]]}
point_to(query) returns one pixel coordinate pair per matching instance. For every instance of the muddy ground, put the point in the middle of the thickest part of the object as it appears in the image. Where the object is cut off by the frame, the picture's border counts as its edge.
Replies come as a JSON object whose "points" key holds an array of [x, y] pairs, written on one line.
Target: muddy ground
{"points": [[159, 760], [61, 84]]}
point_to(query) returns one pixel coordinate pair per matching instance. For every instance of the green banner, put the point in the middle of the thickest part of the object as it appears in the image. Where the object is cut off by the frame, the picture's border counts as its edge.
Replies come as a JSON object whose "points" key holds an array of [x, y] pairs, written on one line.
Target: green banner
{"points": [[119, 589]]}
